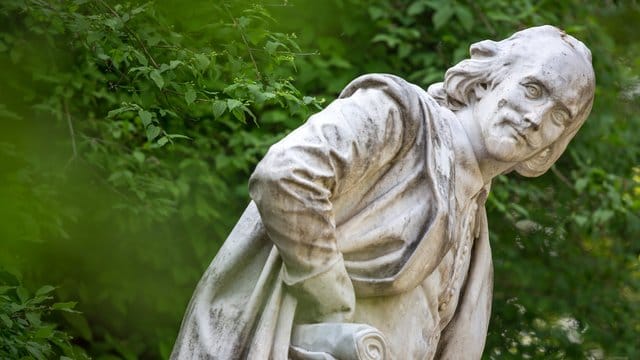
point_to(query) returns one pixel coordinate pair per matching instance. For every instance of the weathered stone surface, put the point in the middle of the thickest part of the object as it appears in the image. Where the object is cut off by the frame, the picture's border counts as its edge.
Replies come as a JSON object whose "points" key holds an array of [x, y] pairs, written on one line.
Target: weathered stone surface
{"points": [[372, 212]]}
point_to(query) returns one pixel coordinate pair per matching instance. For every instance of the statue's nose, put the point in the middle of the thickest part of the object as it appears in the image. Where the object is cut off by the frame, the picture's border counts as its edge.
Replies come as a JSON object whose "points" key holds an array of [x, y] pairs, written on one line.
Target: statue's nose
{"points": [[533, 119]]}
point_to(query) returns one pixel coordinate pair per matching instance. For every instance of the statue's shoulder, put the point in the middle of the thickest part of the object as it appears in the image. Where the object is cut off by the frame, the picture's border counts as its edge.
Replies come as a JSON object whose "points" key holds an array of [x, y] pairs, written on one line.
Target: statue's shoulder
{"points": [[416, 104], [396, 87], [410, 98]]}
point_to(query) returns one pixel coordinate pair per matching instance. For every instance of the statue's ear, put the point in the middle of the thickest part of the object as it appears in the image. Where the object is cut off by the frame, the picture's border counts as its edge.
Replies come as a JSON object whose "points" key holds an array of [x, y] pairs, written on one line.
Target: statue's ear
{"points": [[483, 49]]}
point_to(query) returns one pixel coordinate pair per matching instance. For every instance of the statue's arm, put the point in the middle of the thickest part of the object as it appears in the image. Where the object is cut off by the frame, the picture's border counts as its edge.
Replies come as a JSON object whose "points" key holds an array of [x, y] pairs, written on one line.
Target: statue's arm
{"points": [[293, 187]]}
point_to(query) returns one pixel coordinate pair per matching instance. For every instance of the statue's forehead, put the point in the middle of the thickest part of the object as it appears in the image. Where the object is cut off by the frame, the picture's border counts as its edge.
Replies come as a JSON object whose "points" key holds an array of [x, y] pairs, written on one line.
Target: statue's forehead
{"points": [[554, 62]]}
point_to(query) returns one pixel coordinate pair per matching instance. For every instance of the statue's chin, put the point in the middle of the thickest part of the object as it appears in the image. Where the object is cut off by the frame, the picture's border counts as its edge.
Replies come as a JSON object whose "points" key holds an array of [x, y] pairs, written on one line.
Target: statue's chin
{"points": [[504, 149]]}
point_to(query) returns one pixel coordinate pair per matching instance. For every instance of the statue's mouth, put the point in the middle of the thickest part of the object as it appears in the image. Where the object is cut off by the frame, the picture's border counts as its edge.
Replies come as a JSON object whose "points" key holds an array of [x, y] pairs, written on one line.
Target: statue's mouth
{"points": [[514, 131], [520, 134]]}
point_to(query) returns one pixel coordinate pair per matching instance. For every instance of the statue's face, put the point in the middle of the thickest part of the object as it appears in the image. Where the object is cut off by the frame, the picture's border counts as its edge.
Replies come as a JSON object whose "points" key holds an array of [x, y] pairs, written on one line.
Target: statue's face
{"points": [[535, 102]]}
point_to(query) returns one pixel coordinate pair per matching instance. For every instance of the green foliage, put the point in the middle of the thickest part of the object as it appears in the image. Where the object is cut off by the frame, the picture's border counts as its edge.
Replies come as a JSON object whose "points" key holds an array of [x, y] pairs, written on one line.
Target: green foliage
{"points": [[156, 108], [25, 329], [158, 92], [133, 127]]}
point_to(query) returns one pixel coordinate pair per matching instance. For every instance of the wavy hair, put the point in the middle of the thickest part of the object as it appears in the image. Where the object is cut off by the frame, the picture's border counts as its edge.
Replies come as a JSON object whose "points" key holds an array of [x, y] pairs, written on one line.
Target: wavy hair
{"points": [[488, 66]]}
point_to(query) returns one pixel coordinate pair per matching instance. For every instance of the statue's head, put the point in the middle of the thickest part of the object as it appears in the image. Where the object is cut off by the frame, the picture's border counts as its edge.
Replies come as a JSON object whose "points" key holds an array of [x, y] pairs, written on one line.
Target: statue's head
{"points": [[529, 93]]}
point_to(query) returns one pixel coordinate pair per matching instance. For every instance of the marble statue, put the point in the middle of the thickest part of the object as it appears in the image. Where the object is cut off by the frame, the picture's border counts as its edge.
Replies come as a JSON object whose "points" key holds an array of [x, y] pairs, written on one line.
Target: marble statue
{"points": [[367, 234]]}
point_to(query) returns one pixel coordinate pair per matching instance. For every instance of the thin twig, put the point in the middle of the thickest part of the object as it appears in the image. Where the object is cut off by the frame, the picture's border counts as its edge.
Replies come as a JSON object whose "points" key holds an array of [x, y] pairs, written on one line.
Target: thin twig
{"points": [[279, 5], [105, 142], [144, 48], [483, 18], [246, 43], [71, 131], [289, 52], [108, 185], [562, 178]]}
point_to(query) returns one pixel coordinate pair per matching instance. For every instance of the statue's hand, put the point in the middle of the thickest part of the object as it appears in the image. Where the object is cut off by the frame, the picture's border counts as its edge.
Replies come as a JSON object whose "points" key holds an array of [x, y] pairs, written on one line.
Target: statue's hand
{"points": [[337, 341], [326, 297], [336, 317]]}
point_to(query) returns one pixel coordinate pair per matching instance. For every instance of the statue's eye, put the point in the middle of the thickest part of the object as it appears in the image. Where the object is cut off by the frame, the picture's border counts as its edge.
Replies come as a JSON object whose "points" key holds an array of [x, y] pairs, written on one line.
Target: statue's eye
{"points": [[560, 117], [534, 91]]}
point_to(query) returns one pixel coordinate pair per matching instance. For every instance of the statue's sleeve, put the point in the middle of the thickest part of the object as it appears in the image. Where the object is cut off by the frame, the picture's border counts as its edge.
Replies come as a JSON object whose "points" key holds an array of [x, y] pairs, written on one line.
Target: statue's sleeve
{"points": [[341, 147]]}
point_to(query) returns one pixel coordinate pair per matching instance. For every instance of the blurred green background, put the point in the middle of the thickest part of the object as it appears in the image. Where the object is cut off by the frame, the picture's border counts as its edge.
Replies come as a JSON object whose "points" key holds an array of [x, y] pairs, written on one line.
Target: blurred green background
{"points": [[129, 131]]}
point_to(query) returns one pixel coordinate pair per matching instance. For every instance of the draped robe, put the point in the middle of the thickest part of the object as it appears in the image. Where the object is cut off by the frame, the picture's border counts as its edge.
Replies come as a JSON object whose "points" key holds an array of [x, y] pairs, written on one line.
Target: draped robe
{"points": [[362, 193]]}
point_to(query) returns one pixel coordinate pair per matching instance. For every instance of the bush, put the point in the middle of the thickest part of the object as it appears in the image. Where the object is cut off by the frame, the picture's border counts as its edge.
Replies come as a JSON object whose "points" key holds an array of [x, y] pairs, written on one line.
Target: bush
{"points": [[26, 329]]}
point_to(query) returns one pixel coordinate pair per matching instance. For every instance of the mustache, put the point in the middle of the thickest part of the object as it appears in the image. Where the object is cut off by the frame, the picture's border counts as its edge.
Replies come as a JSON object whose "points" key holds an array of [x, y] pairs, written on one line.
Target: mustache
{"points": [[517, 123]]}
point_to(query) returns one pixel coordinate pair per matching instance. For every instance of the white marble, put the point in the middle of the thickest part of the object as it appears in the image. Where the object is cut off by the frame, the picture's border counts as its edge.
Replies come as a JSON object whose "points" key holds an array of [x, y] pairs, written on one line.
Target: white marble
{"points": [[337, 341], [371, 214]]}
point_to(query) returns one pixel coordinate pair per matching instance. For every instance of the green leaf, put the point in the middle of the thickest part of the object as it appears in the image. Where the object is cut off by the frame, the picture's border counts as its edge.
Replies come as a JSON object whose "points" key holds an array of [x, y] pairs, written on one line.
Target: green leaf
{"points": [[500, 16], [153, 132], [65, 306], [157, 78], [121, 110], [22, 293], [178, 136], [521, 210], [404, 50], [251, 114], [79, 324], [146, 117], [141, 58], [416, 8], [163, 141], [465, 16], [238, 113], [44, 332], [243, 21], [14, 308], [600, 216], [174, 64], [218, 107], [377, 12], [442, 16], [34, 318], [190, 96], [6, 320], [34, 350], [202, 61], [94, 36], [581, 184], [390, 40], [45, 290], [233, 103], [272, 46], [139, 156], [581, 220]]}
